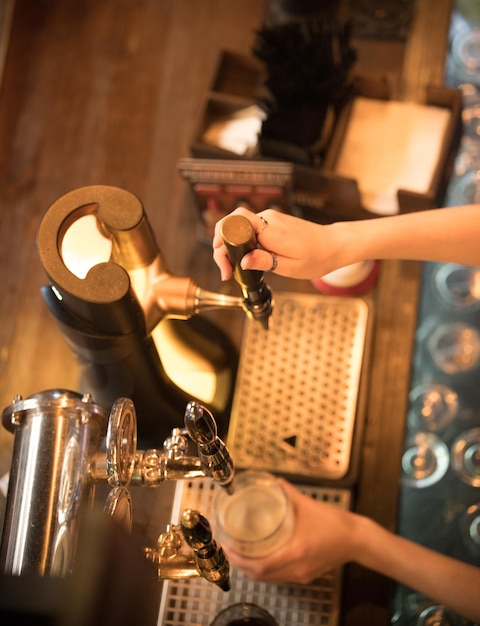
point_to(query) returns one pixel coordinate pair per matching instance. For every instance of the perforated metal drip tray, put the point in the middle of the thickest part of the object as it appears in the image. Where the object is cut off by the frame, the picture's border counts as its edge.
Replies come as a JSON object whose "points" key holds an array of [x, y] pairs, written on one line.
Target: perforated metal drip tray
{"points": [[195, 602], [297, 407]]}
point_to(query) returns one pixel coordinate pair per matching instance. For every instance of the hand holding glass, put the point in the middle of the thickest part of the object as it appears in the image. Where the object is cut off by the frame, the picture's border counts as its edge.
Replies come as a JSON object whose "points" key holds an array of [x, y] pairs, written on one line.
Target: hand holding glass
{"points": [[257, 518]]}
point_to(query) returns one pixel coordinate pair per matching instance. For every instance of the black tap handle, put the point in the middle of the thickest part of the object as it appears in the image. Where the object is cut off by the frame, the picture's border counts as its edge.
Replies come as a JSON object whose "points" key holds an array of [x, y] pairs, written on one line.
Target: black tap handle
{"points": [[209, 556], [239, 239], [200, 424], [213, 453], [196, 530]]}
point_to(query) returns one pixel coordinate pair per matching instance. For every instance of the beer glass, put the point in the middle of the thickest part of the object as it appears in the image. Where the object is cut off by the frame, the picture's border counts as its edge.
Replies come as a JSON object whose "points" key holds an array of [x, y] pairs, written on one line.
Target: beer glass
{"points": [[257, 518]]}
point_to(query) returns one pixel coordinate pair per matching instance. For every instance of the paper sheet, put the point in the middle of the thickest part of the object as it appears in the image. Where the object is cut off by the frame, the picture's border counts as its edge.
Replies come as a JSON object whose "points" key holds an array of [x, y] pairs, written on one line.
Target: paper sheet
{"points": [[391, 145]]}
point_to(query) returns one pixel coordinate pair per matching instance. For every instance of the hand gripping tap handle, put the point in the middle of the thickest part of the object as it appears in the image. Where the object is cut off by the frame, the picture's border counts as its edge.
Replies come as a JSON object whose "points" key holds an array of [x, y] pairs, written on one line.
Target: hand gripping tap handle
{"points": [[239, 238], [209, 556], [213, 453]]}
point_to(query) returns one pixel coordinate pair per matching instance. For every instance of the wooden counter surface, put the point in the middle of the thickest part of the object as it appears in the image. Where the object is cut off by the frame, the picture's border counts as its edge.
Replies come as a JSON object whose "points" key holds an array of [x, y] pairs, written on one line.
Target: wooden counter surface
{"points": [[110, 93]]}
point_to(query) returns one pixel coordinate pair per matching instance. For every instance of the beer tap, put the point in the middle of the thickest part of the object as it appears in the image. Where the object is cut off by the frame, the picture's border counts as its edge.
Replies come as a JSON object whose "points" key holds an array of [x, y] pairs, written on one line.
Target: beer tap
{"points": [[239, 238], [113, 295], [60, 455], [213, 453], [209, 557], [128, 242], [121, 219], [124, 464]]}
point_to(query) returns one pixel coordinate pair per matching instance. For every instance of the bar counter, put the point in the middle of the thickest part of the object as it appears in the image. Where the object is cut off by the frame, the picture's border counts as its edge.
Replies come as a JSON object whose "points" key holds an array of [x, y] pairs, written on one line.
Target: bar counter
{"points": [[110, 93]]}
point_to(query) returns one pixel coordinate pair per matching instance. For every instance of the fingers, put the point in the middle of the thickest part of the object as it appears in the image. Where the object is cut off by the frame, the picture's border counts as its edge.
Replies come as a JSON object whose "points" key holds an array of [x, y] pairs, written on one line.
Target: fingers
{"points": [[280, 568], [221, 259], [259, 259], [266, 569]]}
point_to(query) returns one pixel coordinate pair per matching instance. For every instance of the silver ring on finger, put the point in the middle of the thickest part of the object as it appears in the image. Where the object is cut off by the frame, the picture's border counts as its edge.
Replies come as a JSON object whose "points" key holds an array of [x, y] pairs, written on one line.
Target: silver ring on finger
{"points": [[274, 262], [263, 226]]}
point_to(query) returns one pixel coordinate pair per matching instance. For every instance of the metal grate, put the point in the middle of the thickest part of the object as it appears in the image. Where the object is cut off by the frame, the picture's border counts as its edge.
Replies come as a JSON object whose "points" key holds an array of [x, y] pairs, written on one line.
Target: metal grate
{"points": [[195, 602], [297, 390]]}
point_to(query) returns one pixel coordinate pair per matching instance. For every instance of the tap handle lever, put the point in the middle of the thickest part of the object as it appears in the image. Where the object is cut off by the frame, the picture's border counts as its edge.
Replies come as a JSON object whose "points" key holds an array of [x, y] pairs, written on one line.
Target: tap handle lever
{"points": [[209, 556], [212, 451], [200, 424], [239, 239]]}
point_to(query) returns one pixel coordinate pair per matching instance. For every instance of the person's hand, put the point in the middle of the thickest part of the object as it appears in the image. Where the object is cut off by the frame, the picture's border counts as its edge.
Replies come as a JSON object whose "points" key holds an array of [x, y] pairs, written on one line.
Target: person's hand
{"points": [[323, 539], [301, 247]]}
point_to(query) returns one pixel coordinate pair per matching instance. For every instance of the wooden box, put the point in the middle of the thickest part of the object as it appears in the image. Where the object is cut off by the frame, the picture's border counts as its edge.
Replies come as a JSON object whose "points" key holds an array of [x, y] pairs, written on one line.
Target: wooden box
{"points": [[321, 192]]}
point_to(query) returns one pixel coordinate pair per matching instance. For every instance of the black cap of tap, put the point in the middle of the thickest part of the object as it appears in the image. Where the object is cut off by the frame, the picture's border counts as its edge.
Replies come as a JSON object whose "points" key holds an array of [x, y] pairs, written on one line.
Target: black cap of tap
{"points": [[239, 239]]}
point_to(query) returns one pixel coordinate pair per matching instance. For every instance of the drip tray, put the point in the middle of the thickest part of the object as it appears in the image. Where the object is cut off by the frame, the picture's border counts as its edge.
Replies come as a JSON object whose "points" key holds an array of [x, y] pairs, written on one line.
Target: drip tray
{"points": [[297, 407], [196, 602]]}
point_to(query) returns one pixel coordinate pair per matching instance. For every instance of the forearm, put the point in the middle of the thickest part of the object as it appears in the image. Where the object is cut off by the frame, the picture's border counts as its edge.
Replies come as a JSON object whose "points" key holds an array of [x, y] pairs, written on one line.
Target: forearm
{"points": [[440, 578], [308, 250], [443, 235]]}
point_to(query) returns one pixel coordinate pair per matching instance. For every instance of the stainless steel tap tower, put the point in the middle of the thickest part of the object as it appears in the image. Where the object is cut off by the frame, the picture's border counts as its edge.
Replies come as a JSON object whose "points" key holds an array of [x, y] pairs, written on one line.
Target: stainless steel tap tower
{"points": [[65, 445]]}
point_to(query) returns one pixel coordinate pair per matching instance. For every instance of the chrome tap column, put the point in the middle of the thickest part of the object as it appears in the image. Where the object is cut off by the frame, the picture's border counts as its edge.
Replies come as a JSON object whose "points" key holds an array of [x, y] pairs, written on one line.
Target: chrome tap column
{"points": [[56, 434]]}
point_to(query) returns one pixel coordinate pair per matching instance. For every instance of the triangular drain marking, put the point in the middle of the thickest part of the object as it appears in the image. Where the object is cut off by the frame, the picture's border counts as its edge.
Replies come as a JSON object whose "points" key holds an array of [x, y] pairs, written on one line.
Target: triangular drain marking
{"points": [[292, 441]]}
